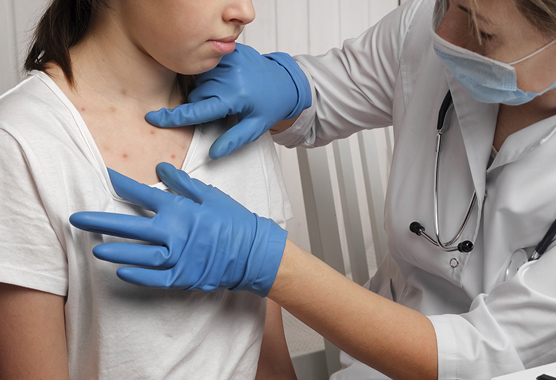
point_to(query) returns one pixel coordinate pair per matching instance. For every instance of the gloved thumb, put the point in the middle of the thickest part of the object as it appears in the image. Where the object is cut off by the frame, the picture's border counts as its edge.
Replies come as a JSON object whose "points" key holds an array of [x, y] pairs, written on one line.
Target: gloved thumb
{"points": [[181, 182]]}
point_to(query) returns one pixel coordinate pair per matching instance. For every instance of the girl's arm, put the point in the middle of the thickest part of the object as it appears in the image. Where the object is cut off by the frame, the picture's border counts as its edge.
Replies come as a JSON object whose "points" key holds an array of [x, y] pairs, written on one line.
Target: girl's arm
{"points": [[32, 335], [391, 338], [274, 362]]}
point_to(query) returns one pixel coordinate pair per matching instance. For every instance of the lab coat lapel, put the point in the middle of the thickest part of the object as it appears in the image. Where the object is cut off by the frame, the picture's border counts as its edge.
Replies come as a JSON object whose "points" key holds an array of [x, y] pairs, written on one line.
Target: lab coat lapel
{"points": [[477, 122]]}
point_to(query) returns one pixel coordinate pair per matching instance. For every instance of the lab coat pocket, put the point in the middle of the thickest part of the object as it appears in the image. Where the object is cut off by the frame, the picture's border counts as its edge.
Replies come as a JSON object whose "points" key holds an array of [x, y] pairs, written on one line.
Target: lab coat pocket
{"points": [[388, 281]]}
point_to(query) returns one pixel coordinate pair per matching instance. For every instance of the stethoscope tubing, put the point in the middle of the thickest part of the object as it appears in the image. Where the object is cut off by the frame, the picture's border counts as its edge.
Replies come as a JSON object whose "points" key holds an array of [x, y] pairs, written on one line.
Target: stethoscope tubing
{"points": [[446, 245]]}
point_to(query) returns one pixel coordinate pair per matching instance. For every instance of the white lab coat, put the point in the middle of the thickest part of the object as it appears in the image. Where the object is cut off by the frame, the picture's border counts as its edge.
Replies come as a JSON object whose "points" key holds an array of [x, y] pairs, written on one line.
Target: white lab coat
{"points": [[391, 76]]}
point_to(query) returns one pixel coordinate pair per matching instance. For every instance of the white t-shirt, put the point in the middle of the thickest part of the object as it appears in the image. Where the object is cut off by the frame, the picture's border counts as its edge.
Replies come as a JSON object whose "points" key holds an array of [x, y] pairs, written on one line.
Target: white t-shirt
{"points": [[50, 168]]}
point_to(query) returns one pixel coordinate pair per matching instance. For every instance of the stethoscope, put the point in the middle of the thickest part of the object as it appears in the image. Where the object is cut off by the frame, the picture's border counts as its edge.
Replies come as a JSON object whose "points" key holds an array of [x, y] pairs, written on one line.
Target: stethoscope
{"points": [[517, 259], [416, 227], [521, 257]]}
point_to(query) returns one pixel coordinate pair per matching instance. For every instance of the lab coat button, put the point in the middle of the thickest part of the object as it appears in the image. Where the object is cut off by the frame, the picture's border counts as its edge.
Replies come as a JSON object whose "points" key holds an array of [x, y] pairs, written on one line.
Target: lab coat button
{"points": [[454, 263]]}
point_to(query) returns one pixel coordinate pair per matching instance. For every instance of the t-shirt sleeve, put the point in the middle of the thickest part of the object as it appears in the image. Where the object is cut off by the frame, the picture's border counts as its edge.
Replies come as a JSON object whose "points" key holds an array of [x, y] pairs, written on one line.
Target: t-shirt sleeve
{"points": [[31, 255], [279, 202]]}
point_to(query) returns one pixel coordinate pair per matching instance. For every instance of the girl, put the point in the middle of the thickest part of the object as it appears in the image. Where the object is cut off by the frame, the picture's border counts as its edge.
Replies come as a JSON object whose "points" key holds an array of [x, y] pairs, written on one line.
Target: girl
{"points": [[469, 305], [96, 67]]}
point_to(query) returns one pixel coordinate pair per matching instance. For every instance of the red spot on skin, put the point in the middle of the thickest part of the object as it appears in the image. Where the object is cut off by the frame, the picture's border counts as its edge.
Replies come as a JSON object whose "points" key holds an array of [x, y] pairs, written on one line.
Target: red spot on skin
{"points": [[125, 155], [173, 156], [153, 132], [82, 108], [112, 109]]}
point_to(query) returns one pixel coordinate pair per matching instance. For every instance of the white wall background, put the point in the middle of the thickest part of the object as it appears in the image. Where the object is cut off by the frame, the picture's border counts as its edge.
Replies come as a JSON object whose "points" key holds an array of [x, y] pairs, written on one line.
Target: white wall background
{"points": [[293, 26]]}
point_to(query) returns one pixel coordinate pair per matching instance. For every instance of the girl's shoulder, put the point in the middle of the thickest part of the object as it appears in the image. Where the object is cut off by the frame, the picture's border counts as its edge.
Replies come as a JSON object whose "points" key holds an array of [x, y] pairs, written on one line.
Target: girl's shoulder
{"points": [[36, 110], [34, 101]]}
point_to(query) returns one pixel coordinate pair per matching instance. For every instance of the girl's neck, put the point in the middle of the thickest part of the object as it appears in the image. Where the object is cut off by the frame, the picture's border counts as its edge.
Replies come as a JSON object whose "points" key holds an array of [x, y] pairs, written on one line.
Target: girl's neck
{"points": [[116, 84], [109, 64]]}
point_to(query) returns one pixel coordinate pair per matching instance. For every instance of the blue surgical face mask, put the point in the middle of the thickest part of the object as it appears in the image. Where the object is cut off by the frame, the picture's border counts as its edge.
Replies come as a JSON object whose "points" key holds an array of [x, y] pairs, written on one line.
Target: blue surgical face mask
{"points": [[487, 80]]}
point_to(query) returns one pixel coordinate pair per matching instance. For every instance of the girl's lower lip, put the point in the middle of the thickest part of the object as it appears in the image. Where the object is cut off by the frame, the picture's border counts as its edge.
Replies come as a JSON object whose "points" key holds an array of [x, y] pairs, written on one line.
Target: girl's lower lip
{"points": [[223, 47]]}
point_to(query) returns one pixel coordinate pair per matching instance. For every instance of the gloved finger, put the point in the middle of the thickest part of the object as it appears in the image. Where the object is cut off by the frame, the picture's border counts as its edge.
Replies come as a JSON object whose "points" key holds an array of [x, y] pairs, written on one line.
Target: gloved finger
{"points": [[145, 196], [197, 112], [150, 277], [120, 225], [211, 84], [135, 254], [181, 182], [211, 79], [241, 134]]}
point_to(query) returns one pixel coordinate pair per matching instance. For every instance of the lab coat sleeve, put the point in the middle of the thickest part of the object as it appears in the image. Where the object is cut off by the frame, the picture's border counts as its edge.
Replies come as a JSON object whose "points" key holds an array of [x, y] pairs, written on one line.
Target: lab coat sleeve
{"points": [[508, 330], [354, 87]]}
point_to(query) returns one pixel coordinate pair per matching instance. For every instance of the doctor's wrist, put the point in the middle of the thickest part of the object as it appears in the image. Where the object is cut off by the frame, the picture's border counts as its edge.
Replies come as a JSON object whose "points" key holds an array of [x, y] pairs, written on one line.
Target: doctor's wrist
{"points": [[299, 80], [295, 269]]}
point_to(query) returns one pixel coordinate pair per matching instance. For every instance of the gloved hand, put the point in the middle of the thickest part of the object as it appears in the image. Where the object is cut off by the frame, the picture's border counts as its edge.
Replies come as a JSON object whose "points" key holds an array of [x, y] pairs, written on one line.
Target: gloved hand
{"points": [[203, 240], [261, 89]]}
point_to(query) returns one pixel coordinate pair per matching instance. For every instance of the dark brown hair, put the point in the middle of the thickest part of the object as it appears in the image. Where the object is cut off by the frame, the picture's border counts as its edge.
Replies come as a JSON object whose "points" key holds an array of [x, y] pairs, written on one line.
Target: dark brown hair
{"points": [[63, 25]]}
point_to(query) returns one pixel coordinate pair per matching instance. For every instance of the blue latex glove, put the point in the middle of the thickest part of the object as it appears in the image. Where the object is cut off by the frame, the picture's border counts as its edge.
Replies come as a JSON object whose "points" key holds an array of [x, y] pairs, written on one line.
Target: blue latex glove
{"points": [[260, 89], [203, 240]]}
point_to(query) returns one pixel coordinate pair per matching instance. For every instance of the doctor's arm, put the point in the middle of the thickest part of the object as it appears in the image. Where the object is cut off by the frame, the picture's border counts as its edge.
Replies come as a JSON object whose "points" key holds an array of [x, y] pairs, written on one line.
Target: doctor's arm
{"points": [[391, 338], [507, 330]]}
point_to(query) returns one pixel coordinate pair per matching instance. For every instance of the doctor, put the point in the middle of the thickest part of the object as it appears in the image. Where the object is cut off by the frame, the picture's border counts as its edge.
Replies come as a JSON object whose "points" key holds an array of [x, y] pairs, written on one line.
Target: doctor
{"points": [[450, 306]]}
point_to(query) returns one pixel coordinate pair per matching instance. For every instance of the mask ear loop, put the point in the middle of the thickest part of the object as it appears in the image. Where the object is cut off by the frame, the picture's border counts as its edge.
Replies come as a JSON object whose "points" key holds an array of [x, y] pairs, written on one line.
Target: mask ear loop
{"points": [[533, 53]]}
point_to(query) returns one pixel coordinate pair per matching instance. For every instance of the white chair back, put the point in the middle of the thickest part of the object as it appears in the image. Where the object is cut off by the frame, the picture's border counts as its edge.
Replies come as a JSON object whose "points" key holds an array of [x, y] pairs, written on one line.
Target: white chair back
{"points": [[343, 189]]}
